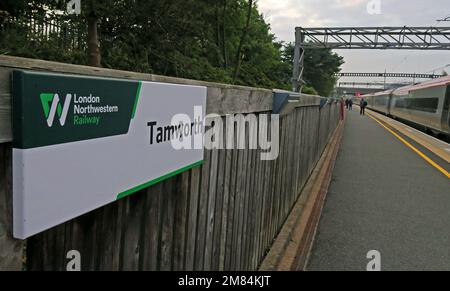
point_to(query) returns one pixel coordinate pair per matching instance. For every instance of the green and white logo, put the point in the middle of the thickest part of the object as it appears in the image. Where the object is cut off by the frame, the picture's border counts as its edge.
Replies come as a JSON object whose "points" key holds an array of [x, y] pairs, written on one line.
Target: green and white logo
{"points": [[55, 108], [63, 109]]}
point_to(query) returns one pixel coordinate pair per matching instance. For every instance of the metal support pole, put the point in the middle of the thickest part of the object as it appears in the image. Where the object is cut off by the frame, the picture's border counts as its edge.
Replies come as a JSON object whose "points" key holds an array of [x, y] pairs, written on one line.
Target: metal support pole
{"points": [[299, 58], [300, 80], [296, 65]]}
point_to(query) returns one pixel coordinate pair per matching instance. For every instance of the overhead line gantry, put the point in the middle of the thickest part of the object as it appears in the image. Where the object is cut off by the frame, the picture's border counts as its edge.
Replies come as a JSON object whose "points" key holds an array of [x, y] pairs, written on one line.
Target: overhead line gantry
{"points": [[381, 38]]}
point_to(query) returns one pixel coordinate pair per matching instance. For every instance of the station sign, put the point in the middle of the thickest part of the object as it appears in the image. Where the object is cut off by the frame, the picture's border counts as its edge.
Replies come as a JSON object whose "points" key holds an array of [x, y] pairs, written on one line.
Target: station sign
{"points": [[83, 142]]}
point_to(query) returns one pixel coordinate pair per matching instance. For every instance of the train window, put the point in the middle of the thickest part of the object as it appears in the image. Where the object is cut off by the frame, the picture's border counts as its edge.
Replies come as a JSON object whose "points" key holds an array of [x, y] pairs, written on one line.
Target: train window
{"points": [[418, 104], [400, 103], [423, 104], [381, 101]]}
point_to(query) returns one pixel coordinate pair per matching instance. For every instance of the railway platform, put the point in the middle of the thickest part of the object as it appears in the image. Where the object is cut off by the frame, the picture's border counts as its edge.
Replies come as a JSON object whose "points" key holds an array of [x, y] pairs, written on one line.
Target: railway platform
{"points": [[390, 193]]}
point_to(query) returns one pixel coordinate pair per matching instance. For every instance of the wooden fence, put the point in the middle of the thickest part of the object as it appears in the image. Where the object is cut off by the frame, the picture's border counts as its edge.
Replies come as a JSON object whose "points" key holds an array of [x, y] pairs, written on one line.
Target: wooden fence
{"points": [[221, 216], [64, 31]]}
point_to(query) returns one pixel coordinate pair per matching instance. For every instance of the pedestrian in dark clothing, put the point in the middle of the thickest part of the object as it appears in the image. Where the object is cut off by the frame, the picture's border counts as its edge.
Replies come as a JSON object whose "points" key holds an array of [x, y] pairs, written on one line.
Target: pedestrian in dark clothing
{"points": [[363, 106], [347, 104], [350, 104]]}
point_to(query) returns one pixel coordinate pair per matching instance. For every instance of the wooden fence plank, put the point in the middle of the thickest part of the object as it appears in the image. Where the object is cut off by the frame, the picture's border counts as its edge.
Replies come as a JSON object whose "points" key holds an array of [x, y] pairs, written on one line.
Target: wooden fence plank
{"points": [[166, 247], [202, 213], [279, 176], [118, 241], [152, 233], [218, 212], [256, 192], [289, 168], [107, 249], [274, 193], [5, 106], [230, 255], [239, 202], [212, 195], [226, 208], [11, 250], [191, 239], [249, 210], [182, 204], [132, 231], [262, 206]]}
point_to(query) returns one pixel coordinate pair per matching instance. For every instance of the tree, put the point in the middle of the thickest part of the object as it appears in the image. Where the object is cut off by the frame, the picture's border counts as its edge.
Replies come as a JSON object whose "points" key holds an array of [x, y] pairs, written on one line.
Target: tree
{"points": [[224, 41], [13, 7], [321, 66], [242, 40], [93, 12]]}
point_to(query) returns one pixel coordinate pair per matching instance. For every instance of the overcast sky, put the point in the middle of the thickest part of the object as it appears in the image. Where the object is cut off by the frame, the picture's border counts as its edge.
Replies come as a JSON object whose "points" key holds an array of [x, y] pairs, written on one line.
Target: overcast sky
{"points": [[285, 15]]}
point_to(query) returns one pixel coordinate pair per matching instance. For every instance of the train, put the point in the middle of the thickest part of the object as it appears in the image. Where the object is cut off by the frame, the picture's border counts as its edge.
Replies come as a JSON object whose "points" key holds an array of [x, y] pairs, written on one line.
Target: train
{"points": [[426, 105]]}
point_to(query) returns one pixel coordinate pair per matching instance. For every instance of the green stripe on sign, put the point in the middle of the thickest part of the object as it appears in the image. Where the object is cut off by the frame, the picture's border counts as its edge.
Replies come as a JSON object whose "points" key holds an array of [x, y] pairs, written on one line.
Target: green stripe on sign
{"points": [[136, 101], [158, 180]]}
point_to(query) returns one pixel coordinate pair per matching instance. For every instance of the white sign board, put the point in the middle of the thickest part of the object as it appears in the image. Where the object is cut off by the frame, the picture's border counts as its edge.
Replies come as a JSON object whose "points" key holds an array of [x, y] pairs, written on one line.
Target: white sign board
{"points": [[81, 143]]}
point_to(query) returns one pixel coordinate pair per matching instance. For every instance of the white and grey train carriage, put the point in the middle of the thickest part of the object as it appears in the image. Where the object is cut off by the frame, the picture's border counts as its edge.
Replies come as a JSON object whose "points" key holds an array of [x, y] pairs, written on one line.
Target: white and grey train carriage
{"points": [[426, 104]]}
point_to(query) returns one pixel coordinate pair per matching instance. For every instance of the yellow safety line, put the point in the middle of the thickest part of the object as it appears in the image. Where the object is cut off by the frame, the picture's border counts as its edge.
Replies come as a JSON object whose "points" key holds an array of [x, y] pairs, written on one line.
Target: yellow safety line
{"points": [[422, 155]]}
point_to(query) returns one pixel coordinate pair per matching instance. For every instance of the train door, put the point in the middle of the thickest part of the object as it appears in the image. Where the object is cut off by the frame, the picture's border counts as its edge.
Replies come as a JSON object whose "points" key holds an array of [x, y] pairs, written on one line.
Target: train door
{"points": [[389, 103], [446, 111]]}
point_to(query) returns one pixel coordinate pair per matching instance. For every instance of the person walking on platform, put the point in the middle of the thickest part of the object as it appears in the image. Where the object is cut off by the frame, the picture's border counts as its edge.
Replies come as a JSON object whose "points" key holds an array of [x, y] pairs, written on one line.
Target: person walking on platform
{"points": [[350, 104], [347, 104], [363, 106]]}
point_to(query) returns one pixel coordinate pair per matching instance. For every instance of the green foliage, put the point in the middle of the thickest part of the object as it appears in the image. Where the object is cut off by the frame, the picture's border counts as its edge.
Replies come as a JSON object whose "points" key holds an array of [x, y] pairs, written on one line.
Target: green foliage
{"points": [[196, 39], [321, 66], [12, 7], [18, 41], [309, 90]]}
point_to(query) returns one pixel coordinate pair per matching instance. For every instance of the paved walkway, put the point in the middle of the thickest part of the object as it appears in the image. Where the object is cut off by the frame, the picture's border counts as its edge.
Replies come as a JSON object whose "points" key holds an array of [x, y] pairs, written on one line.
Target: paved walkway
{"points": [[383, 197]]}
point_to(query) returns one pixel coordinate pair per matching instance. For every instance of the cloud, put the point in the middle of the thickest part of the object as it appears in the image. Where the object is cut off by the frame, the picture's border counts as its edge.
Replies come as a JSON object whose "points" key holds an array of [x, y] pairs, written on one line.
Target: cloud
{"points": [[350, 3]]}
